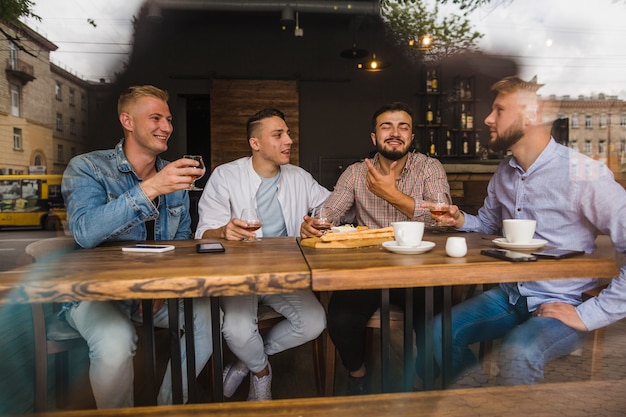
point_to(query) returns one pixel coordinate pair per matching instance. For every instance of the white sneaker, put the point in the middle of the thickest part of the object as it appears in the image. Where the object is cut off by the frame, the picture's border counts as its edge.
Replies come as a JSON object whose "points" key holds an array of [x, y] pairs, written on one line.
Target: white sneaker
{"points": [[261, 388], [233, 376]]}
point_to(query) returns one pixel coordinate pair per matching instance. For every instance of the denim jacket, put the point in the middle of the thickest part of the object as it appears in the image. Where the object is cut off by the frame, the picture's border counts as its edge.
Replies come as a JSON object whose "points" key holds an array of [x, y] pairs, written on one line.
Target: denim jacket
{"points": [[106, 203]]}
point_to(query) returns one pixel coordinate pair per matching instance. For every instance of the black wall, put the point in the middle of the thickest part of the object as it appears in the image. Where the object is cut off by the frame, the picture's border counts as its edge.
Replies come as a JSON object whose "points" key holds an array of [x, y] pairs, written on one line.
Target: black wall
{"points": [[186, 50]]}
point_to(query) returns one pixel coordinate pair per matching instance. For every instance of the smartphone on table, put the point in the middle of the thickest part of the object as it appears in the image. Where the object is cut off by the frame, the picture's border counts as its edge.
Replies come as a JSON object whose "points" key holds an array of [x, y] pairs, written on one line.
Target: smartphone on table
{"points": [[148, 248], [214, 247], [558, 253], [509, 255]]}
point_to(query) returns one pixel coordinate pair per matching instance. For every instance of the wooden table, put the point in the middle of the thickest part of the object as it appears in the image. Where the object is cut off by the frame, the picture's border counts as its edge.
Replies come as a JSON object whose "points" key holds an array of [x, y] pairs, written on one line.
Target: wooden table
{"points": [[595, 398], [275, 265], [376, 268], [271, 265]]}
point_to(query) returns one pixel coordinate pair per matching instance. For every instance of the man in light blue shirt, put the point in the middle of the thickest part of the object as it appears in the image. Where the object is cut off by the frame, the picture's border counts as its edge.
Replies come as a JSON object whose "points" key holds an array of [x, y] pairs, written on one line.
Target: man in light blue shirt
{"points": [[284, 194], [573, 198]]}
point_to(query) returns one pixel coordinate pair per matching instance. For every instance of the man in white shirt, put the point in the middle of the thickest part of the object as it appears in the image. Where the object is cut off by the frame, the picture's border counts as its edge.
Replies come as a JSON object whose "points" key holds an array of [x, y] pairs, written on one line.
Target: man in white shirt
{"points": [[284, 194]]}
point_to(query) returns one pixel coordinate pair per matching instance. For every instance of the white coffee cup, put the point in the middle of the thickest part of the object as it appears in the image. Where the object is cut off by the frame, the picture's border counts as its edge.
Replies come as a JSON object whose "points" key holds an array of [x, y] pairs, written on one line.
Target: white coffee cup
{"points": [[456, 247], [408, 233], [519, 230]]}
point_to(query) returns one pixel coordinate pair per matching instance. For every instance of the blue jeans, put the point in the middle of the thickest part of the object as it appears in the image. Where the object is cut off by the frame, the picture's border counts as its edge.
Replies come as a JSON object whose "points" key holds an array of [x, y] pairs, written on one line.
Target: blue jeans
{"points": [[528, 342]]}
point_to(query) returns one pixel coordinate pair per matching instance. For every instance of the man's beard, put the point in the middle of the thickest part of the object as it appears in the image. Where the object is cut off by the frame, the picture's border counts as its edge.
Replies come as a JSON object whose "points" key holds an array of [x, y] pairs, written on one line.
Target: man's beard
{"points": [[508, 138], [391, 154]]}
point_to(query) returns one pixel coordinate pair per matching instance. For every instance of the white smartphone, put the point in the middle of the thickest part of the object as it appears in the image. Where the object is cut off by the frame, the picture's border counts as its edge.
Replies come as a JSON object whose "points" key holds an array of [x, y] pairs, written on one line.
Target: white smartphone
{"points": [[148, 248]]}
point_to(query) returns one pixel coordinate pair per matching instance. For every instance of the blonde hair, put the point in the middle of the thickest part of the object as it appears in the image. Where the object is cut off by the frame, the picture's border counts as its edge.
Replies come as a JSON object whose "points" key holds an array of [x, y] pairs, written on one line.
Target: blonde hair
{"points": [[527, 90], [134, 93], [511, 84]]}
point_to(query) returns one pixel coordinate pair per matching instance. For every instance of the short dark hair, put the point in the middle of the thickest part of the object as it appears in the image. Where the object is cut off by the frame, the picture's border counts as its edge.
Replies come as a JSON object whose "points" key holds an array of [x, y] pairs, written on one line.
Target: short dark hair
{"points": [[258, 116], [395, 106]]}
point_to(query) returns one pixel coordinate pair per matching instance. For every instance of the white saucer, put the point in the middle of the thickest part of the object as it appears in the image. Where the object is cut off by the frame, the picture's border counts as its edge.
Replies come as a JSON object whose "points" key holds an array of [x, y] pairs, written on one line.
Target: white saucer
{"points": [[393, 246], [533, 244]]}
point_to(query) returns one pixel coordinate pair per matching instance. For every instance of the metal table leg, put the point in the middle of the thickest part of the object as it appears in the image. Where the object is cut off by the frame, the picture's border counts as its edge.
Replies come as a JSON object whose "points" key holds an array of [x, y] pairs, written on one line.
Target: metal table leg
{"points": [[190, 348], [175, 352], [408, 340], [218, 366], [150, 356], [428, 341], [385, 341], [446, 336]]}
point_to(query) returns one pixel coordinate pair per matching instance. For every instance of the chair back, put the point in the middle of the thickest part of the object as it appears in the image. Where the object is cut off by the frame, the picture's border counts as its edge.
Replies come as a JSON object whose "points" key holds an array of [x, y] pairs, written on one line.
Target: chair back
{"points": [[53, 246], [52, 335]]}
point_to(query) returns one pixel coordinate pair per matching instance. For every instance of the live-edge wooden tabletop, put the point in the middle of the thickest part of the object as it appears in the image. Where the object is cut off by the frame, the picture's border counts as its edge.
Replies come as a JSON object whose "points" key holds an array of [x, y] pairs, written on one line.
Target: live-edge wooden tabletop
{"points": [[375, 267], [270, 265]]}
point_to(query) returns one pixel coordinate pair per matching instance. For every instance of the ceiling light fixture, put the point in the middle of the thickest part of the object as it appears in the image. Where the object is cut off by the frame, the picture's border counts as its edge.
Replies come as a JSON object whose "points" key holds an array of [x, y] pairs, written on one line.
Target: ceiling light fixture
{"points": [[374, 65], [354, 53], [287, 18], [298, 31]]}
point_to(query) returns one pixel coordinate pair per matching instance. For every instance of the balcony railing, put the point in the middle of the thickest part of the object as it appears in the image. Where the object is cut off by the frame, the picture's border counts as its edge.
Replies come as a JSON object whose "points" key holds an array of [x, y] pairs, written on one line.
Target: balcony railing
{"points": [[21, 70]]}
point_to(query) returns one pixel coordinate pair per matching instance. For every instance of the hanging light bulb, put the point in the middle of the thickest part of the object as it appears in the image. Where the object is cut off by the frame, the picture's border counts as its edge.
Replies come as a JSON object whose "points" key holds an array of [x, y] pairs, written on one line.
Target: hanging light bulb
{"points": [[298, 31], [373, 65]]}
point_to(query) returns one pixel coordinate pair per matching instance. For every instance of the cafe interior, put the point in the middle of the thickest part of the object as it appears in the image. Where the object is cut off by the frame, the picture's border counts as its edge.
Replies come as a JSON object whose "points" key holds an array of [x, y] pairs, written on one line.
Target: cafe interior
{"points": [[222, 61]]}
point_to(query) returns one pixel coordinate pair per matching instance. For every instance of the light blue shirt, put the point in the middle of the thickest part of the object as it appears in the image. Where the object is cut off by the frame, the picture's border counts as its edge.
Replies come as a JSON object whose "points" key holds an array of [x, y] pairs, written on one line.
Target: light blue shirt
{"points": [[269, 207], [231, 186], [572, 198]]}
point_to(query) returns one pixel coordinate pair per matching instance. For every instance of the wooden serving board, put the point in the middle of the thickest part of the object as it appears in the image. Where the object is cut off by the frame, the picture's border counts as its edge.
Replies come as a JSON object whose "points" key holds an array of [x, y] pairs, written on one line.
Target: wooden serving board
{"points": [[316, 242]]}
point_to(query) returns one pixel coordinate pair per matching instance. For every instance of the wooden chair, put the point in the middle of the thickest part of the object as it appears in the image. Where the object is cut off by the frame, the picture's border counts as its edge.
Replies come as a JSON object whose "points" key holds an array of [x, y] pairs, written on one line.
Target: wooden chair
{"points": [[396, 321], [52, 335], [594, 348]]}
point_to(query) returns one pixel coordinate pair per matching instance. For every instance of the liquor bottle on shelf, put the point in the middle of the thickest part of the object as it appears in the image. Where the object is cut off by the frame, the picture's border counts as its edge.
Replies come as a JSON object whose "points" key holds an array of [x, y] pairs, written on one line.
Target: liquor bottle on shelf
{"points": [[465, 144], [463, 117], [468, 91], [429, 114], [438, 117], [429, 84], [433, 82], [432, 150], [469, 121], [448, 143], [461, 91]]}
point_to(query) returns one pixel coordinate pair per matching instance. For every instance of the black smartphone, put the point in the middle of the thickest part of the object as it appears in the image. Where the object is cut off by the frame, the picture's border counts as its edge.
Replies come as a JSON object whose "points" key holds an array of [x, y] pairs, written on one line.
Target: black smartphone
{"points": [[558, 253], [509, 255], [209, 247]]}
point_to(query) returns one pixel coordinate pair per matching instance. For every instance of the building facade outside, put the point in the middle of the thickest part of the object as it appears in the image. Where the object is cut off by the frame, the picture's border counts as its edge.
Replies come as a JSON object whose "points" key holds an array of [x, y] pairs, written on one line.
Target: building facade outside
{"points": [[70, 104], [596, 126], [43, 108]]}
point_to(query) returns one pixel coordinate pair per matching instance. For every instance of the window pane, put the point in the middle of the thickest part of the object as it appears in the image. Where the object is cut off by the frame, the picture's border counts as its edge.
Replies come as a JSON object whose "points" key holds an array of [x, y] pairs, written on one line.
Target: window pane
{"points": [[15, 100], [17, 138]]}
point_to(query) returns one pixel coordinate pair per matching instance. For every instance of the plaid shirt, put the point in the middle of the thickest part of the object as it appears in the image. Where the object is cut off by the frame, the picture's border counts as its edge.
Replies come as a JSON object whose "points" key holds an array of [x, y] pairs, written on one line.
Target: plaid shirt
{"points": [[352, 202]]}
